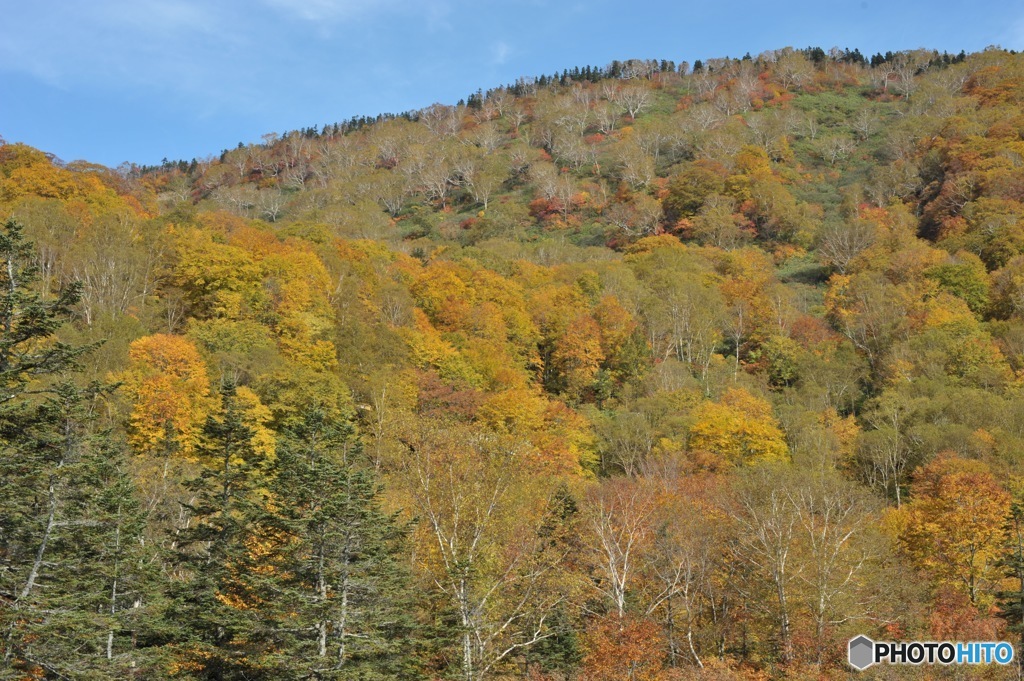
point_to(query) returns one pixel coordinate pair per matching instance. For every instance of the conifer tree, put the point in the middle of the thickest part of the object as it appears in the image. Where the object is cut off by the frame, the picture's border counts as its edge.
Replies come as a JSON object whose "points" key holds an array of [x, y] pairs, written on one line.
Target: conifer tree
{"points": [[1011, 600], [341, 600], [69, 523], [212, 621], [561, 652]]}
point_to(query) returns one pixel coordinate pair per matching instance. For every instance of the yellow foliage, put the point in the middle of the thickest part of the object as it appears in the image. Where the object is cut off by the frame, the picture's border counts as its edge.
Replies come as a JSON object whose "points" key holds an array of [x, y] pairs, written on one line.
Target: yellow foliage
{"points": [[514, 412], [170, 393], [27, 172], [953, 528], [320, 355], [566, 443], [562, 439], [843, 430], [740, 428], [219, 280], [615, 322], [256, 416], [654, 243], [482, 314], [753, 161], [577, 355], [428, 348], [291, 390]]}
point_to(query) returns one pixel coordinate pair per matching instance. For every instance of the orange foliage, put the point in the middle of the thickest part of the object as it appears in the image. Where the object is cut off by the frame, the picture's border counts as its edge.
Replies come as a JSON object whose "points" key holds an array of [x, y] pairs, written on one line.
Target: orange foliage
{"points": [[953, 529], [624, 649], [170, 393]]}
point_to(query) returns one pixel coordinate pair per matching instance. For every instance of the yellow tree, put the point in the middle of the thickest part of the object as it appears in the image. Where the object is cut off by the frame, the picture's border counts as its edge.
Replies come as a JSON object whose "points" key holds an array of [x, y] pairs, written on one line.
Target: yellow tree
{"points": [[170, 393], [683, 309], [217, 279], [621, 518], [740, 428], [299, 284], [577, 356], [481, 507], [561, 438], [954, 526]]}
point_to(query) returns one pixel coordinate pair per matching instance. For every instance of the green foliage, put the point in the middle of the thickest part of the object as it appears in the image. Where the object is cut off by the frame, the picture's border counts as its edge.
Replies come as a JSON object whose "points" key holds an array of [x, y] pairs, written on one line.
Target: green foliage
{"points": [[69, 532], [689, 189], [335, 585], [210, 610], [966, 280], [28, 320]]}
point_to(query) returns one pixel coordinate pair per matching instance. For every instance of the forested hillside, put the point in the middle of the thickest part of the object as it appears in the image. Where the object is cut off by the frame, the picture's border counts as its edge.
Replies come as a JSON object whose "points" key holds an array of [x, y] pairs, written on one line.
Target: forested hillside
{"points": [[647, 371]]}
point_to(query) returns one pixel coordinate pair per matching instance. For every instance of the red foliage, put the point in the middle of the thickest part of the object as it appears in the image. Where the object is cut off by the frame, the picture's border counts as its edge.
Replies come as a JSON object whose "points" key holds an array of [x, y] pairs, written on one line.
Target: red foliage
{"points": [[541, 208], [810, 331], [438, 399], [953, 618], [684, 103]]}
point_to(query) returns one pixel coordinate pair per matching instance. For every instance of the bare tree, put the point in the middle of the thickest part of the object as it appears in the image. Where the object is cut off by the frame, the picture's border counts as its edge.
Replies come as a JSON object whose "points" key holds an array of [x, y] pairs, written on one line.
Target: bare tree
{"points": [[766, 524], [906, 67], [835, 147], [607, 116], [842, 242], [270, 203], [619, 514], [864, 123], [793, 69], [442, 120], [470, 490], [634, 99]]}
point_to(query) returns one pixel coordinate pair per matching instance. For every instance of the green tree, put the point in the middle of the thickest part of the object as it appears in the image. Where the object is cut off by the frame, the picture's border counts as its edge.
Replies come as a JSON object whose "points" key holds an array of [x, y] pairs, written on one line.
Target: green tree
{"points": [[70, 522], [69, 544], [1011, 600], [335, 582], [213, 628], [28, 321]]}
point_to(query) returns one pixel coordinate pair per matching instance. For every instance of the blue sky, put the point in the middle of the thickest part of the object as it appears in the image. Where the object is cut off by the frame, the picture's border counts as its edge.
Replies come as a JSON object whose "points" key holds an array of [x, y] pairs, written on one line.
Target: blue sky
{"points": [[139, 80]]}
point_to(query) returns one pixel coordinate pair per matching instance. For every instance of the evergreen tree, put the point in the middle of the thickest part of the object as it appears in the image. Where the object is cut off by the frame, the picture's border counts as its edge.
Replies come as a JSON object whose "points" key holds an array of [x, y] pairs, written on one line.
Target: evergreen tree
{"points": [[212, 624], [28, 321], [561, 651], [70, 522], [341, 598], [71, 548]]}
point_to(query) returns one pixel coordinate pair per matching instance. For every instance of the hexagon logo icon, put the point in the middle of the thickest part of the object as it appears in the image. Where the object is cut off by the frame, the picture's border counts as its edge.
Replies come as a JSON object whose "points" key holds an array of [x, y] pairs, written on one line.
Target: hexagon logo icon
{"points": [[862, 653]]}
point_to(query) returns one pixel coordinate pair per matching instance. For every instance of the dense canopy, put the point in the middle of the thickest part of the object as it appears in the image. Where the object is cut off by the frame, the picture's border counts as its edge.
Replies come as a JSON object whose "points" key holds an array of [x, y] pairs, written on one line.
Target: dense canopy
{"points": [[648, 371]]}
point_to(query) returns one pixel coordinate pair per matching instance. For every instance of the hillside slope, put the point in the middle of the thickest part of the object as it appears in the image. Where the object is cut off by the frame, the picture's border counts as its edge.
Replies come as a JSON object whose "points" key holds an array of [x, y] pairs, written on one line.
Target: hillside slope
{"points": [[645, 370]]}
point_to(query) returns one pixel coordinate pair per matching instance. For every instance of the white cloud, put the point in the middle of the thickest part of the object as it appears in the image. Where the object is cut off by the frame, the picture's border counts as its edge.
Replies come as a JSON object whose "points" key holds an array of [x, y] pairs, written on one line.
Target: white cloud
{"points": [[500, 52], [328, 10]]}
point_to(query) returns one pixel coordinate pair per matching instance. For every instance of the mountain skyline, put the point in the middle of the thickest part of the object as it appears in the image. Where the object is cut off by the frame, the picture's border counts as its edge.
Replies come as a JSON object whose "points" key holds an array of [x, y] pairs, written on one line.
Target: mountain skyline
{"points": [[117, 82]]}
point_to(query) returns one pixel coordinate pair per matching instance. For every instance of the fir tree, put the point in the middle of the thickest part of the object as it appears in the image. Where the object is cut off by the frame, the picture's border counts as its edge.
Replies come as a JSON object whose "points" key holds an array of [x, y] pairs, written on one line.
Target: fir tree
{"points": [[1011, 601], [342, 604], [561, 650], [212, 620], [69, 522]]}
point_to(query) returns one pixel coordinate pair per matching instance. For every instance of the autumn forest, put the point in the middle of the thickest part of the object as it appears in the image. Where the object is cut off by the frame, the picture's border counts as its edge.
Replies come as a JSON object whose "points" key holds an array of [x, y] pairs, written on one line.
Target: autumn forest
{"points": [[647, 371]]}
